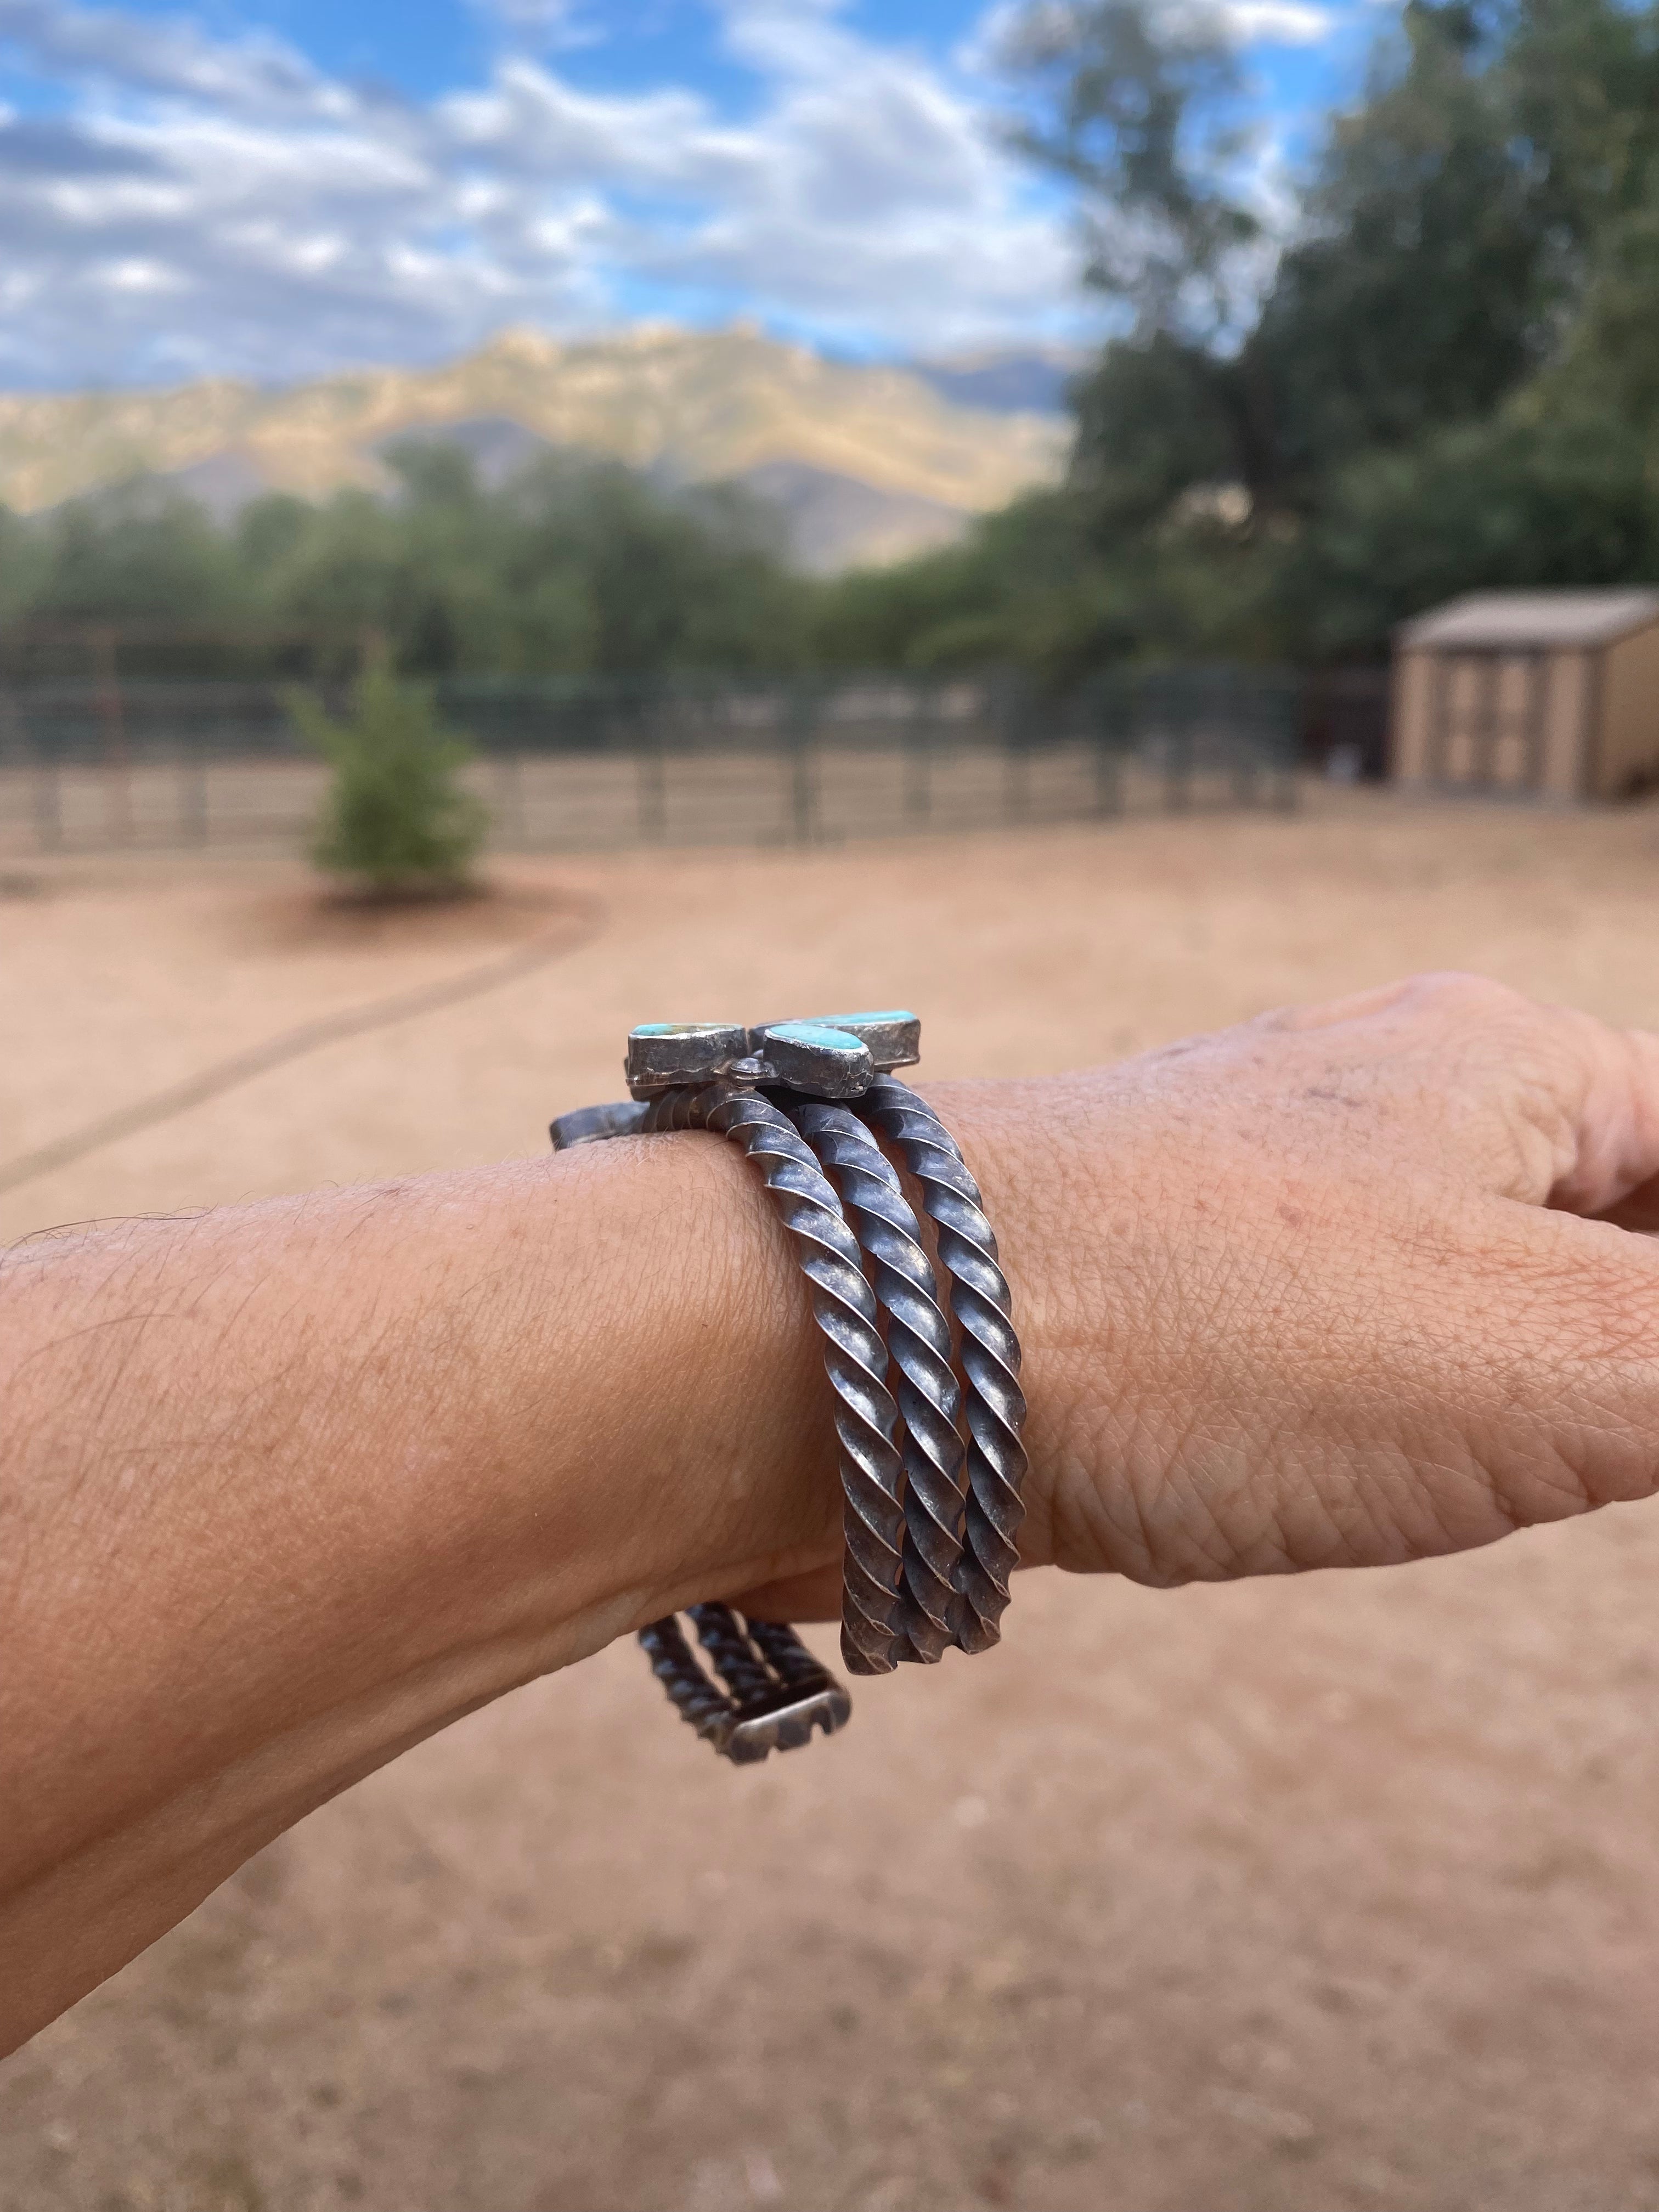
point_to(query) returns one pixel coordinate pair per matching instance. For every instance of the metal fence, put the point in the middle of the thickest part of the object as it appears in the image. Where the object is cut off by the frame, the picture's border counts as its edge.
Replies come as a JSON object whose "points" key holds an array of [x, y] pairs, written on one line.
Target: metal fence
{"points": [[568, 765]]}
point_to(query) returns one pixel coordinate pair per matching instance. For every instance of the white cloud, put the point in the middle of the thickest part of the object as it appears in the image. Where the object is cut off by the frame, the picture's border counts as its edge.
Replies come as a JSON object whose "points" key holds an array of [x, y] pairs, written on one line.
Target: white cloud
{"points": [[107, 47], [138, 276], [220, 202], [1278, 23], [1244, 23]]}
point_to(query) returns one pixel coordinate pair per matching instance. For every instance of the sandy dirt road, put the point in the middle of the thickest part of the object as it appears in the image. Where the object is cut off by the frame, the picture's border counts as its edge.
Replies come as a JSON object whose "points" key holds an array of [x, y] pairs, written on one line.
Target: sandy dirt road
{"points": [[1283, 1898]]}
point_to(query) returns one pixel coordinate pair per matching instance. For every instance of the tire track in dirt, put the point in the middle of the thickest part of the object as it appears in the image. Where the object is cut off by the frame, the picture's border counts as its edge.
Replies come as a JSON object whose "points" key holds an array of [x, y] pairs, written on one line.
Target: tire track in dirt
{"points": [[576, 930]]}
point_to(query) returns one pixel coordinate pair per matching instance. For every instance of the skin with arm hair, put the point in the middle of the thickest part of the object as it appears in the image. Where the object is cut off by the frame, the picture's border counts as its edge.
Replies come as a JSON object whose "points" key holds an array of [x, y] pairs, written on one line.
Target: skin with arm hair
{"points": [[285, 1488]]}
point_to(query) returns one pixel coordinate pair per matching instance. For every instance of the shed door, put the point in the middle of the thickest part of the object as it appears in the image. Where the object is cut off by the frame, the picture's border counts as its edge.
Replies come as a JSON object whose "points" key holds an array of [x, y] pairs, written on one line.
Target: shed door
{"points": [[1486, 719]]}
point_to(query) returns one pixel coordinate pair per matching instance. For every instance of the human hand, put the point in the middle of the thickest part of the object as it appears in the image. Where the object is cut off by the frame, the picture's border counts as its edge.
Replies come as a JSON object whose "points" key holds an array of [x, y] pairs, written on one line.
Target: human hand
{"points": [[1344, 1285]]}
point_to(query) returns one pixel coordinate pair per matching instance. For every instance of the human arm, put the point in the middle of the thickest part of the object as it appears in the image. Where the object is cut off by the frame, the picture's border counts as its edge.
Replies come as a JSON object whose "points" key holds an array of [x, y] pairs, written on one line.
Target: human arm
{"points": [[285, 1488]]}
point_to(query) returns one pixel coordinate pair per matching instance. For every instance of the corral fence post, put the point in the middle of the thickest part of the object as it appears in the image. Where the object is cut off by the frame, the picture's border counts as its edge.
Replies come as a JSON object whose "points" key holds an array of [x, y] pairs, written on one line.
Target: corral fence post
{"points": [[1019, 709], [44, 758], [510, 792], [113, 722], [1249, 741], [651, 766], [918, 742], [190, 761], [802, 707], [1105, 705], [48, 783], [22, 755], [1281, 737], [1163, 715]]}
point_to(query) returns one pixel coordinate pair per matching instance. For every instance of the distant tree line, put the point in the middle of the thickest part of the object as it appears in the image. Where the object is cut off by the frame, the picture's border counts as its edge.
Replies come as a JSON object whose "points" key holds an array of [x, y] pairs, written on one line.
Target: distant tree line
{"points": [[574, 566], [1449, 377]]}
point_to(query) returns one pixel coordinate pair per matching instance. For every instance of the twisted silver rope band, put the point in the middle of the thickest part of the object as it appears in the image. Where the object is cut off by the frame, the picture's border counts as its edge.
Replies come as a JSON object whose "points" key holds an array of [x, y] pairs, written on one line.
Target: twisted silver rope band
{"points": [[693, 1696], [918, 1345], [990, 1351], [739, 1666], [855, 1358], [793, 1663]]}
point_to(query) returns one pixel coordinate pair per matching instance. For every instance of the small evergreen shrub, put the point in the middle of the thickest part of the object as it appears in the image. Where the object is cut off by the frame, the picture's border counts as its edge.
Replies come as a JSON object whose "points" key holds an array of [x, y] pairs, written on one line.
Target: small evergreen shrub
{"points": [[396, 820]]}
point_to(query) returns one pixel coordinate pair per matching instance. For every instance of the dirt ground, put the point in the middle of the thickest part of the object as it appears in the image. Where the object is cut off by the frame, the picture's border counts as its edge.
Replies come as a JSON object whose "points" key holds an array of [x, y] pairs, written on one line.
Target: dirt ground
{"points": [[1282, 1898]]}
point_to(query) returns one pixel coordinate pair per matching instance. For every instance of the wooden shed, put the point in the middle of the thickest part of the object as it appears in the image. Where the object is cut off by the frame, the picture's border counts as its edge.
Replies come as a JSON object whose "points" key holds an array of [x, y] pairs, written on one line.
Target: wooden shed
{"points": [[1550, 694]]}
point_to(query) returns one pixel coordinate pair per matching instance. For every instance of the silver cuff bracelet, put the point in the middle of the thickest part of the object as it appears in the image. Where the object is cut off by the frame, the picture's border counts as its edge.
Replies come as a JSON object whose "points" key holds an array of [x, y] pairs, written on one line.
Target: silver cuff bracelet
{"points": [[931, 1514]]}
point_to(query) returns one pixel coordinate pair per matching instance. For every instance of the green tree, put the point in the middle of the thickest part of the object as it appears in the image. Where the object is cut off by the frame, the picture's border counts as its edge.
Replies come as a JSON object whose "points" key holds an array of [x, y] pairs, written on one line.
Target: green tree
{"points": [[1501, 503], [668, 580], [1607, 369], [397, 820], [1431, 284], [1582, 84], [1025, 588], [138, 551], [1425, 285], [23, 559], [1140, 110], [1449, 376]]}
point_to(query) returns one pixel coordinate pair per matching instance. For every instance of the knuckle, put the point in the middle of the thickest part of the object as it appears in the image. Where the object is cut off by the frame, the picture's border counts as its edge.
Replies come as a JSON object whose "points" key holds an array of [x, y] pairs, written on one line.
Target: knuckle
{"points": [[1438, 998], [1457, 991]]}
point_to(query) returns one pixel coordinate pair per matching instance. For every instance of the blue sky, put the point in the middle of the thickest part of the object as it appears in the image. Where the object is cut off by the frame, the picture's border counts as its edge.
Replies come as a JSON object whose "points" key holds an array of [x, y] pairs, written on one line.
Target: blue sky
{"points": [[272, 188]]}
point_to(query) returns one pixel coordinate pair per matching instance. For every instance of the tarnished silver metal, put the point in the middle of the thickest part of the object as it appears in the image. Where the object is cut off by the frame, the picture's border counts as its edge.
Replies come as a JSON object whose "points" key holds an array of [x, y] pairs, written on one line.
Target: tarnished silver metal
{"points": [[919, 1344], [781, 1691], [990, 1351], [594, 1125], [661, 1054], [830, 1057], [811, 1056], [698, 1701], [776, 1693], [892, 1039], [855, 1358], [930, 1530]]}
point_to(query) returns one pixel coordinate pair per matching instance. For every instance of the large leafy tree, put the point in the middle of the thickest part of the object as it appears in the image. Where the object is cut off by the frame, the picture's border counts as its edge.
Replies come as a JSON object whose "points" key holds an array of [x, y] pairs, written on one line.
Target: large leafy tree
{"points": [[1449, 374], [1496, 503], [138, 551], [1141, 113], [1428, 277], [1139, 110], [1422, 282]]}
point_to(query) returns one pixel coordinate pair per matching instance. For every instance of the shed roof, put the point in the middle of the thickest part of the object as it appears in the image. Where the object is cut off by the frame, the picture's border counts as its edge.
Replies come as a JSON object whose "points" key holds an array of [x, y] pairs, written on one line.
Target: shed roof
{"points": [[1529, 621]]}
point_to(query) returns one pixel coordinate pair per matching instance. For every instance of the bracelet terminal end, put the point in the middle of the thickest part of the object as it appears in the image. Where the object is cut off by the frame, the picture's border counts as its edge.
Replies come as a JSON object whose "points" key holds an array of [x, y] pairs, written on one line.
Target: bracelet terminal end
{"points": [[594, 1125], [776, 1693]]}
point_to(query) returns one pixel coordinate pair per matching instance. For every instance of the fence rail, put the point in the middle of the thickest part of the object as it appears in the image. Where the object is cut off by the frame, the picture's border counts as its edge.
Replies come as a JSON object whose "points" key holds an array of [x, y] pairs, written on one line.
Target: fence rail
{"points": [[579, 764]]}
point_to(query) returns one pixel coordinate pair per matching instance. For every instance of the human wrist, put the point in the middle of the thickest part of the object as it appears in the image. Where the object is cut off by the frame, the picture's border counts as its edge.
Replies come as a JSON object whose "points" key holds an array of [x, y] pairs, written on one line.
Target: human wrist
{"points": [[1079, 1188], [795, 1474], [691, 1399]]}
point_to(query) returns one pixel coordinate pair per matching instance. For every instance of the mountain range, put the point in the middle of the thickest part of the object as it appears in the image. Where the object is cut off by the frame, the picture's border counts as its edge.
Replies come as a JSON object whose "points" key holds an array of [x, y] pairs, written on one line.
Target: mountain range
{"points": [[864, 463]]}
